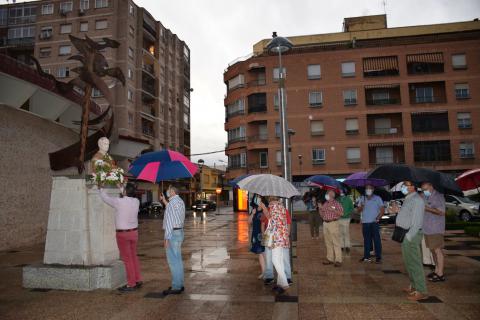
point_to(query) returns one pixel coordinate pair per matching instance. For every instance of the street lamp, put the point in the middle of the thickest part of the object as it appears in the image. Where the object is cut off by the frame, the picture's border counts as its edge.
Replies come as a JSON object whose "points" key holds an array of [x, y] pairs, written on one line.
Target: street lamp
{"points": [[200, 166]]}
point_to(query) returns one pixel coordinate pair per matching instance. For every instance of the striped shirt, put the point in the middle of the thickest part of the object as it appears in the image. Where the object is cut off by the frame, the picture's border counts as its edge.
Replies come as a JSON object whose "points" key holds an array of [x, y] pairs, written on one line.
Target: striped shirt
{"points": [[174, 216]]}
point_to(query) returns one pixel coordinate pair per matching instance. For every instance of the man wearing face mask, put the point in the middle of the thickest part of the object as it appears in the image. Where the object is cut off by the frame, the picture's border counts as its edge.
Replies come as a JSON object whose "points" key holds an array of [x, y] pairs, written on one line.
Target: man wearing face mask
{"points": [[410, 217], [434, 227], [331, 211], [372, 209]]}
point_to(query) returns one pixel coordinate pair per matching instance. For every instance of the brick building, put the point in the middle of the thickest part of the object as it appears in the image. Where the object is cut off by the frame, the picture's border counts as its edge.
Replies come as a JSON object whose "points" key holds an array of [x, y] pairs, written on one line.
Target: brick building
{"points": [[367, 96]]}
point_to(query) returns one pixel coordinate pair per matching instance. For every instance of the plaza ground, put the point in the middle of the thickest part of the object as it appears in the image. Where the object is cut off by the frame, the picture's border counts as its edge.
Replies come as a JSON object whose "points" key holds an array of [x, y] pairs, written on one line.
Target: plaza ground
{"points": [[221, 281]]}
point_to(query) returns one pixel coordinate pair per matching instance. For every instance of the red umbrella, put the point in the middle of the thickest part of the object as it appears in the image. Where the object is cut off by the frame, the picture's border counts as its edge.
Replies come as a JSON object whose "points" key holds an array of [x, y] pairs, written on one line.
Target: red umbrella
{"points": [[469, 180]]}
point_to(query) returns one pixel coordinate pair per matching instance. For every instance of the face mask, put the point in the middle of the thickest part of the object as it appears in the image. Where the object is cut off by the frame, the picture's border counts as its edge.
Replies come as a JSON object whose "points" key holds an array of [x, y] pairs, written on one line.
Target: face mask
{"points": [[369, 192], [257, 201], [342, 194], [427, 193], [327, 197], [404, 190]]}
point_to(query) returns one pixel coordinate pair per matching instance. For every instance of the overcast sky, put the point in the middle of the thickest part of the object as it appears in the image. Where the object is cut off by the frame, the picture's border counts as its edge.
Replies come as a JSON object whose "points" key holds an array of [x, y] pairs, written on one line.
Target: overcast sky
{"points": [[219, 31]]}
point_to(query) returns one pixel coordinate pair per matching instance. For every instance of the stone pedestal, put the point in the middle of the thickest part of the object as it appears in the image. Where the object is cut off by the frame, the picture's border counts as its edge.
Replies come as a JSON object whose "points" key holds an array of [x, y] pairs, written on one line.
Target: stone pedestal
{"points": [[80, 251]]}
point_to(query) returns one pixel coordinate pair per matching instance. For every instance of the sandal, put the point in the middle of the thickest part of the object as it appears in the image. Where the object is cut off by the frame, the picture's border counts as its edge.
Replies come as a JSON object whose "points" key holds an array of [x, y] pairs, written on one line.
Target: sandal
{"points": [[431, 275], [437, 278]]}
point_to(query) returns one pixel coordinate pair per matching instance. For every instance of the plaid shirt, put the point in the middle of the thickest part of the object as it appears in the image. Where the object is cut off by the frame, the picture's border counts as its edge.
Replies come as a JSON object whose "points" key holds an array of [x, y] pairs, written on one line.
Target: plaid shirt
{"points": [[331, 210]]}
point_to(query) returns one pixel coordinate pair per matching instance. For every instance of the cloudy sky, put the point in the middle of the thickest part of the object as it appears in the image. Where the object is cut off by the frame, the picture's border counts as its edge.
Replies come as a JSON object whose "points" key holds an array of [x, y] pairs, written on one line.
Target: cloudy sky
{"points": [[219, 31]]}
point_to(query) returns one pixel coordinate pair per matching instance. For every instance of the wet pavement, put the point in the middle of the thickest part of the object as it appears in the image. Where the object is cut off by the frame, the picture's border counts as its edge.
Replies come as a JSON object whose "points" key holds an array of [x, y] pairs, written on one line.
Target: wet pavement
{"points": [[221, 281]]}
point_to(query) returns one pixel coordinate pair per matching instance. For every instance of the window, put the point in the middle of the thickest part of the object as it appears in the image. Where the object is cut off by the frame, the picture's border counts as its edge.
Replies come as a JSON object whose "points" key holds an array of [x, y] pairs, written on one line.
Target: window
{"points": [[131, 31], [66, 7], [464, 120], [316, 127], [131, 9], [84, 5], [348, 69], [101, 3], [315, 98], [130, 95], [101, 24], [349, 97], [353, 155], [462, 91], [459, 61], [313, 71], [383, 155], [263, 159], [351, 126], [318, 156], [467, 150], [64, 50], [277, 129], [63, 72], [237, 160], [257, 102], [276, 101], [130, 52], [383, 126], [429, 151], [83, 26], [380, 97], [21, 32], [236, 108], [276, 73], [148, 127], [236, 82], [130, 73], [45, 52], [96, 93], [47, 8], [3, 16], [66, 28], [425, 63], [424, 95], [237, 134], [430, 121], [278, 157], [130, 119]]}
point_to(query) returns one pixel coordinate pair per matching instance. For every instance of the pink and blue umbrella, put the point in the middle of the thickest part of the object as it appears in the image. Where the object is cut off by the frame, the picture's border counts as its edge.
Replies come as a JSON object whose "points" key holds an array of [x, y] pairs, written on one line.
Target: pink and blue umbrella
{"points": [[324, 182], [162, 165], [360, 179]]}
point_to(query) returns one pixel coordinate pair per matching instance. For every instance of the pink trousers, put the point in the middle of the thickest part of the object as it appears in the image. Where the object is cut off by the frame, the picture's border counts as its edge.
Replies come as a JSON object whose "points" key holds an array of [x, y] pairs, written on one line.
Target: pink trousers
{"points": [[127, 245]]}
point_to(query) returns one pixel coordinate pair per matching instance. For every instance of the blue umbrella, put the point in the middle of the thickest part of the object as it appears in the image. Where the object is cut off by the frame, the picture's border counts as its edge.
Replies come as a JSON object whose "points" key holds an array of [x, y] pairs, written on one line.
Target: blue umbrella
{"points": [[234, 182], [162, 165], [324, 182]]}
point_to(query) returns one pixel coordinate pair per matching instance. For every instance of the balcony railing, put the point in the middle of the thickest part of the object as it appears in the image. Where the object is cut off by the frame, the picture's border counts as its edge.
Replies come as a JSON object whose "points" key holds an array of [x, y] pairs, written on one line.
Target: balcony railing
{"points": [[258, 138], [258, 82], [235, 113], [150, 110], [380, 102], [254, 109], [148, 68], [385, 131], [428, 99], [21, 41], [234, 140]]}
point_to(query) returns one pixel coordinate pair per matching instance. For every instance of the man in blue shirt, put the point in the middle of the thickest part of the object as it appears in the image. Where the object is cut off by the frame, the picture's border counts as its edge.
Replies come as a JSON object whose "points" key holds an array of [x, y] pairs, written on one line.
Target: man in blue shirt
{"points": [[371, 207]]}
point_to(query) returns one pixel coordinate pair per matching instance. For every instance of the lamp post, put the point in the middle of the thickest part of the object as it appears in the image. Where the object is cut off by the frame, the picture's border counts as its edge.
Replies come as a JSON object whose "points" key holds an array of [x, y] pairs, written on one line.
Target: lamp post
{"points": [[200, 166]]}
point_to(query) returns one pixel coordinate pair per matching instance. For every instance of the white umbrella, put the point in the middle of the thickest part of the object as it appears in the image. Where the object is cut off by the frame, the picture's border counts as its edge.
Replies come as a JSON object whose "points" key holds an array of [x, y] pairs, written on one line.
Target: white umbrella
{"points": [[268, 185]]}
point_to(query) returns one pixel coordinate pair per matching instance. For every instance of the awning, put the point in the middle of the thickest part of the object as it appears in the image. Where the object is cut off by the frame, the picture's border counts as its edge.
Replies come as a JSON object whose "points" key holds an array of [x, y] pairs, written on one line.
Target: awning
{"points": [[255, 65], [429, 112], [385, 144], [380, 64], [436, 57], [383, 86]]}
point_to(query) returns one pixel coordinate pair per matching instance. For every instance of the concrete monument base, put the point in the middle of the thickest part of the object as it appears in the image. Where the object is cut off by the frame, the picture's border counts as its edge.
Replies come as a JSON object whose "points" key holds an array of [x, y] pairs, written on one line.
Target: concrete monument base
{"points": [[79, 278]]}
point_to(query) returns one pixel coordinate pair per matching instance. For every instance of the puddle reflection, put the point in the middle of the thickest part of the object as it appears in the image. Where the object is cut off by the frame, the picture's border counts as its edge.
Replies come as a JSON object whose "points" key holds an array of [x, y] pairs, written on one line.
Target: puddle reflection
{"points": [[210, 260], [242, 228]]}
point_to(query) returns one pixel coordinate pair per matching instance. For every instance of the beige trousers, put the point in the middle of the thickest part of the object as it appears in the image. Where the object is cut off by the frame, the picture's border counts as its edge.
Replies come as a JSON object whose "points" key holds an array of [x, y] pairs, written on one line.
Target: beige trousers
{"points": [[331, 234], [344, 233]]}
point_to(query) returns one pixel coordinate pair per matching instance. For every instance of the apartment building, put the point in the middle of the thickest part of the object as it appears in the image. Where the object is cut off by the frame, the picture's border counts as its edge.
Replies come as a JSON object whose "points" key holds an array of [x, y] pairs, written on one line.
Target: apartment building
{"points": [[356, 99], [154, 105]]}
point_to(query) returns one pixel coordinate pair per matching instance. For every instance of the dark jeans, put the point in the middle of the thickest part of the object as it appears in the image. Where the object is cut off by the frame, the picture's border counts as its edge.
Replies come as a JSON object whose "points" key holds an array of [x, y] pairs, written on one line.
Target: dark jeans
{"points": [[371, 231]]}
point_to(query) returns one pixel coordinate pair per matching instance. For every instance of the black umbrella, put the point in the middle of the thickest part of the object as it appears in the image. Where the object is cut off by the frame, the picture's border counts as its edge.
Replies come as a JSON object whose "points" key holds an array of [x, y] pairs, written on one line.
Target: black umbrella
{"points": [[395, 173]]}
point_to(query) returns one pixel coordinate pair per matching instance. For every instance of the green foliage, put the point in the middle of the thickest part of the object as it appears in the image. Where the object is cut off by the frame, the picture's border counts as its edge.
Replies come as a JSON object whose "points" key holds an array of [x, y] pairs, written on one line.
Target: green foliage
{"points": [[473, 231], [451, 216]]}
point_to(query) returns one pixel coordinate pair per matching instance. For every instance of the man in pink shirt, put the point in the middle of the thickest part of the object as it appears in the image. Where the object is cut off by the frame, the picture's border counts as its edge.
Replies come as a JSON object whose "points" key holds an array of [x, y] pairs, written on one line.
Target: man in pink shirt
{"points": [[126, 224]]}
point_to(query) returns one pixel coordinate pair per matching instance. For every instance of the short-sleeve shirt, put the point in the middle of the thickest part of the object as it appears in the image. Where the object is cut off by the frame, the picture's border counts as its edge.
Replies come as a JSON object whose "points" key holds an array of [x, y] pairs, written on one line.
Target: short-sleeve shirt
{"points": [[347, 205], [278, 225], [433, 223], [371, 208]]}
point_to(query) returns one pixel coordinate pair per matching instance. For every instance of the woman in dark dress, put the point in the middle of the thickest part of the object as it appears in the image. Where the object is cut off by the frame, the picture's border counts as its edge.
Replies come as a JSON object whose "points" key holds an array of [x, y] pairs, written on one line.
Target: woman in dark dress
{"points": [[258, 222]]}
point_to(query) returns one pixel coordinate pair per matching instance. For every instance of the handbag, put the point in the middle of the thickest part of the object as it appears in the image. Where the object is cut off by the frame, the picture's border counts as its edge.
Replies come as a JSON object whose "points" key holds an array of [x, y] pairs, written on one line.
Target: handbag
{"points": [[267, 237], [399, 234]]}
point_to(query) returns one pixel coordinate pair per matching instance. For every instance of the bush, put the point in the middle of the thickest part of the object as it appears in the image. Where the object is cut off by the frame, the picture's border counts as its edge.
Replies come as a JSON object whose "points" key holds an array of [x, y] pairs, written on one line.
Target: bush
{"points": [[473, 231], [451, 216]]}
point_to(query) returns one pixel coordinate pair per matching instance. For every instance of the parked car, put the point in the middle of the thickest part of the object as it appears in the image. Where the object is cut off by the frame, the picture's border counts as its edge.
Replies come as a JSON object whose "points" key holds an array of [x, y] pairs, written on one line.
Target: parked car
{"points": [[465, 208], [151, 209], [204, 205]]}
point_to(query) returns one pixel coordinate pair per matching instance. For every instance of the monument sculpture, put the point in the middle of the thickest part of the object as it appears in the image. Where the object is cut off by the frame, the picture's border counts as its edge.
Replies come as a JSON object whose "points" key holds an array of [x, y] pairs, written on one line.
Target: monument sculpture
{"points": [[80, 250]]}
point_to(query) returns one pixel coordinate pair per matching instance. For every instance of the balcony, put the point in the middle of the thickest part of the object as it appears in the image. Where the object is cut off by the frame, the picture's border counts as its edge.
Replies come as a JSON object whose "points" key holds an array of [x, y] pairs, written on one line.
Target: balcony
{"points": [[425, 63], [380, 66], [423, 122], [426, 152], [149, 88], [257, 102], [257, 82], [149, 110], [22, 42], [386, 124], [149, 69], [235, 140], [379, 95], [386, 153], [427, 92]]}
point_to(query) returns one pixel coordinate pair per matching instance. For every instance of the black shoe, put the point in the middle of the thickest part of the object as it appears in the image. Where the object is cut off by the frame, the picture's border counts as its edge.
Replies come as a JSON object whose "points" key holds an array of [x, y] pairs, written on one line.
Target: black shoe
{"points": [[365, 260], [268, 281], [126, 288], [173, 291], [289, 281], [278, 290], [138, 285], [378, 261]]}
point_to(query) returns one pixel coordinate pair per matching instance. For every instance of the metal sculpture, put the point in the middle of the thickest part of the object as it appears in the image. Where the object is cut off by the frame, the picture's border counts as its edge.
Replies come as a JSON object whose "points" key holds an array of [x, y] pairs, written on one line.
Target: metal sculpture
{"points": [[94, 67]]}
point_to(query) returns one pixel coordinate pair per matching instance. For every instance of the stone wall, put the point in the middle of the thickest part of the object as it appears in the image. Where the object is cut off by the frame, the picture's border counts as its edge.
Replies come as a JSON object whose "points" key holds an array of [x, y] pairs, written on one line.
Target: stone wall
{"points": [[25, 175]]}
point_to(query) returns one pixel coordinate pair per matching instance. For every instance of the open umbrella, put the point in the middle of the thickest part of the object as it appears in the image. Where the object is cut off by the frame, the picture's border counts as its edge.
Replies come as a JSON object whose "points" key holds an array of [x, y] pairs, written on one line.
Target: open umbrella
{"points": [[324, 182], [469, 181], [234, 182], [360, 179], [162, 165], [268, 185]]}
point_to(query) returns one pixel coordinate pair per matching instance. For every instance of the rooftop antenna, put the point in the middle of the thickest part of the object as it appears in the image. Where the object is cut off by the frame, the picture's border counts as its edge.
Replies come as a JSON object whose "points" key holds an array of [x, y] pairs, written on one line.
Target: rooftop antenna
{"points": [[384, 3]]}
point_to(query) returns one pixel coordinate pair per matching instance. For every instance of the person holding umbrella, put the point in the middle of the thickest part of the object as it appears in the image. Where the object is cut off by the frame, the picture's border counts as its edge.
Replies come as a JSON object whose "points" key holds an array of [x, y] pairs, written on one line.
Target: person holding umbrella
{"points": [[434, 227], [372, 208], [410, 217], [331, 211]]}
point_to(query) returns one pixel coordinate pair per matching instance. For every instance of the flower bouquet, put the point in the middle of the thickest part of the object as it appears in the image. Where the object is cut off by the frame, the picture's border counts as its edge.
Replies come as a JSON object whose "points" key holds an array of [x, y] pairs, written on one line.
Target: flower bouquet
{"points": [[106, 173]]}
